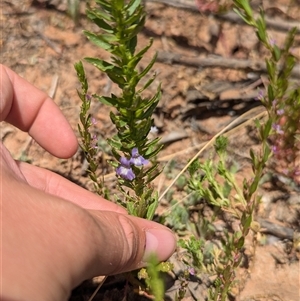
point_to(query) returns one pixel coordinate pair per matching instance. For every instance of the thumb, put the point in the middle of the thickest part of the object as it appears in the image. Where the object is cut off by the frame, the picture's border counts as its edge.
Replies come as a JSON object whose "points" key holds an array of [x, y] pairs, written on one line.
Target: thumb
{"points": [[53, 241], [124, 242]]}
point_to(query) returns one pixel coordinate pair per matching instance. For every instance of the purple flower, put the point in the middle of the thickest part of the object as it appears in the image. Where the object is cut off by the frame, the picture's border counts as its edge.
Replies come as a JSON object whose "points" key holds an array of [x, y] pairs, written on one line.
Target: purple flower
{"points": [[124, 170], [94, 141], [285, 172], [277, 128], [280, 112], [136, 159], [297, 171], [93, 121], [274, 149], [260, 95], [191, 271]]}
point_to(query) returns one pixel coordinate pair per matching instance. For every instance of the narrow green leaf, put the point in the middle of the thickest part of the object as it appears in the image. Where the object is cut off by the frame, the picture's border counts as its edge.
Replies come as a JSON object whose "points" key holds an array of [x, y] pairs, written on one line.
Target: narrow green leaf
{"points": [[132, 6], [100, 64], [153, 104], [82, 78], [97, 40], [132, 45], [98, 20], [240, 243], [244, 17], [247, 8], [271, 69], [99, 13], [276, 53], [113, 72], [154, 152], [114, 143], [151, 210], [261, 27], [226, 273], [290, 39], [267, 129], [267, 153], [246, 220], [134, 29], [118, 79], [253, 186], [271, 96], [136, 59], [152, 143], [131, 208], [119, 4], [153, 175], [148, 83], [150, 111], [252, 154], [148, 68], [111, 101], [135, 18], [105, 5]]}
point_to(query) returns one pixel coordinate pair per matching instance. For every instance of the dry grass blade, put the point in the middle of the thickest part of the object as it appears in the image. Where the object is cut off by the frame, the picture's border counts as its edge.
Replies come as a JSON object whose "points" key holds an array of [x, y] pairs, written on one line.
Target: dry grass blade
{"points": [[97, 289]]}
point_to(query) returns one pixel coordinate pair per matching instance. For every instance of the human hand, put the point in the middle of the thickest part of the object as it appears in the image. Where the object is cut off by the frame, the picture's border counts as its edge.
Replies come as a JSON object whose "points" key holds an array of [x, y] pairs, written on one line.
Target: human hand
{"points": [[55, 234]]}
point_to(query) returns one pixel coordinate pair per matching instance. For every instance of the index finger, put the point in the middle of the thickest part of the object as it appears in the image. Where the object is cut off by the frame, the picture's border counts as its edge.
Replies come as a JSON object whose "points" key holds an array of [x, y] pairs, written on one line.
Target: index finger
{"points": [[33, 111]]}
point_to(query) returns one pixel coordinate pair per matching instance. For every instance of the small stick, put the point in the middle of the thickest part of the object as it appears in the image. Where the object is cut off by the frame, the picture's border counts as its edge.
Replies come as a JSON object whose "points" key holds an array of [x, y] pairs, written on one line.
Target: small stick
{"points": [[220, 62], [277, 24], [97, 289]]}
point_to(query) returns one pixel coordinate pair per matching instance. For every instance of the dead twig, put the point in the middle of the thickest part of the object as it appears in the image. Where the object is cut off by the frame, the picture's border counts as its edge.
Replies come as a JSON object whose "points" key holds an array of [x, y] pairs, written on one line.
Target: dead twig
{"points": [[276, 229], [97, 289], [53, 87], [204, 62], [49, 42], [275, 23]]}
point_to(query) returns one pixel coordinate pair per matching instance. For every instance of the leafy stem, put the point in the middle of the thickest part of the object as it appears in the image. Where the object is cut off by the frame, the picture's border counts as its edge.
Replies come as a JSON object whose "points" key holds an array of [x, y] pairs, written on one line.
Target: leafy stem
{"points": [[120, 21]]}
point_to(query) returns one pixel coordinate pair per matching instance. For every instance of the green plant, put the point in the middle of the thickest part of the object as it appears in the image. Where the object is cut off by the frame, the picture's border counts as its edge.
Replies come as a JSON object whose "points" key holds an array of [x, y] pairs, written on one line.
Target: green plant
{"points": [[211, 183], [282, 96], [119, 23], [214, 181]]}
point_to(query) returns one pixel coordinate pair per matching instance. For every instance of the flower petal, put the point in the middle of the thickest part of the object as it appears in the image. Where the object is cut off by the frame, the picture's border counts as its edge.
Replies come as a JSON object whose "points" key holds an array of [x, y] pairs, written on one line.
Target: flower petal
{"points": [[125, 162], [125, 173]]}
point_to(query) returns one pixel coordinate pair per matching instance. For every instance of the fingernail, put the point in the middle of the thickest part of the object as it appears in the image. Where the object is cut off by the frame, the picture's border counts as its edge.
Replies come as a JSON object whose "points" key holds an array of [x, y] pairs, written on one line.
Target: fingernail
{"points": [[161, 242]]}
